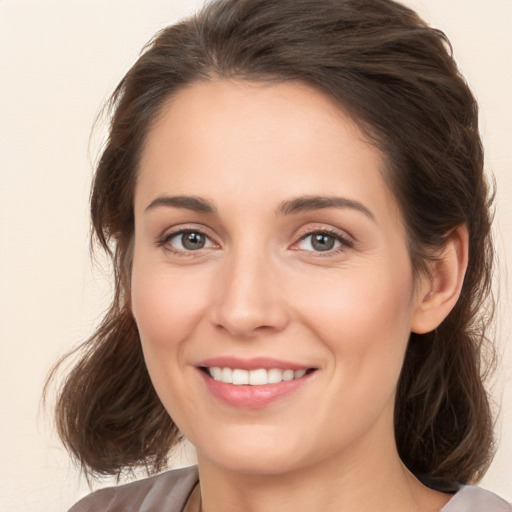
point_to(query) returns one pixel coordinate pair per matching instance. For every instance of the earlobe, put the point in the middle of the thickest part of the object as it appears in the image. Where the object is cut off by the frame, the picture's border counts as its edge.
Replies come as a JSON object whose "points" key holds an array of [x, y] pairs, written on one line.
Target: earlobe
{"points": [[441, 289]]}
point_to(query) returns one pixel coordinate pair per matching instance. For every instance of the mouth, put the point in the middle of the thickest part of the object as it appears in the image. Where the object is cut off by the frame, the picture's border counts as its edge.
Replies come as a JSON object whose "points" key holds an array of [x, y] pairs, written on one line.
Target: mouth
{"points": [[254, 383], [257, 377]]}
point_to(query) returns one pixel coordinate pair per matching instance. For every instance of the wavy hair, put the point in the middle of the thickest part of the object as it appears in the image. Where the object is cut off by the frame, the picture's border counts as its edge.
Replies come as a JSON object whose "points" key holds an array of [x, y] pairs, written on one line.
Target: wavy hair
{"points": [[396, 77]]}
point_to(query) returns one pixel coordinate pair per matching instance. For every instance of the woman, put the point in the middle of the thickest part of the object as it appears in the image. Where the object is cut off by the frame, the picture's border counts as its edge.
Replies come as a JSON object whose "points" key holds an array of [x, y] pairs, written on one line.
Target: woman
{"points": [[293, 196]]}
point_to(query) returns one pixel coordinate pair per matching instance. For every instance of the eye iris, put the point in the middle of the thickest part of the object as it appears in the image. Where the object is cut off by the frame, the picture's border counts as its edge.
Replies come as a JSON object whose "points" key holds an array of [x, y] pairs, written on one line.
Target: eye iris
{"points": [[322, 242], [193, 241]]}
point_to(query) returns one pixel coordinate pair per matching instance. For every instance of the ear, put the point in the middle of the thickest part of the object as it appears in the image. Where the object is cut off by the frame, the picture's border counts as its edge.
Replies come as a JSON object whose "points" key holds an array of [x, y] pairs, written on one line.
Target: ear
{"points": [[439, 291]]}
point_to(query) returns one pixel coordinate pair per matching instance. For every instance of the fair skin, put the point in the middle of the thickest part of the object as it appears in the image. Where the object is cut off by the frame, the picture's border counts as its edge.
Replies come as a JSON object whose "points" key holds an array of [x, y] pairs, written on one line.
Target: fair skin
{"points": [[236, 266]]}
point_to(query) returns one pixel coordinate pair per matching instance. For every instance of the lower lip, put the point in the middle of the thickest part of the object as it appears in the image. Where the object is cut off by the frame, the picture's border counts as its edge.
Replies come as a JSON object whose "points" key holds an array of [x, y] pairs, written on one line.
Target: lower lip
{"points": [[252, 397]]}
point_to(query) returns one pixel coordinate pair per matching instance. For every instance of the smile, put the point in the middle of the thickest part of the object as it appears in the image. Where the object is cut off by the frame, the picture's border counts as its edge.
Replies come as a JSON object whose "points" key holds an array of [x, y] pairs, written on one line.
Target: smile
{"points": [[258, 377], [255, 383]]}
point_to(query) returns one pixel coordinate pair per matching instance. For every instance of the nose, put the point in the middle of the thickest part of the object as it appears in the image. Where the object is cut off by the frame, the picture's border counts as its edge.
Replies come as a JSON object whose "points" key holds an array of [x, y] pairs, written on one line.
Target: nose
{"points": [[249, 298]]}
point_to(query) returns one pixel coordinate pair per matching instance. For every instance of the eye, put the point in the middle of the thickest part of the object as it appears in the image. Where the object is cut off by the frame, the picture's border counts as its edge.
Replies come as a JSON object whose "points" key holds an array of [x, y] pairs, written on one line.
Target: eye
{"points": [[187, 240], [322, 241]]}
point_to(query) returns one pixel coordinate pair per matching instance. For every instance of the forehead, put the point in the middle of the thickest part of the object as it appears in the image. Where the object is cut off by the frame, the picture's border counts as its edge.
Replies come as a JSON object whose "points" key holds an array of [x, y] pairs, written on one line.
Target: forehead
{"points": [[228, 137], [257, 110]]}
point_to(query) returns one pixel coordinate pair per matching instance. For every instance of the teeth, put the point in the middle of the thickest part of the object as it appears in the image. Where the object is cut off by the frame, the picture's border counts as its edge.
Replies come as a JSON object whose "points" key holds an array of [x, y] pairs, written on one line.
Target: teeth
{"points": [[274, 375], [259, 377], [227, 375], [299, 373], [288, 375], [216, 373], [240, 377]]}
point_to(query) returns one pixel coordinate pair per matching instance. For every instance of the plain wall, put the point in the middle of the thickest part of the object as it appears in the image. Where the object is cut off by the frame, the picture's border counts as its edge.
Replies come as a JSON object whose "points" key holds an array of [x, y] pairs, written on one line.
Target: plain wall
{"points": [[59, 60]]}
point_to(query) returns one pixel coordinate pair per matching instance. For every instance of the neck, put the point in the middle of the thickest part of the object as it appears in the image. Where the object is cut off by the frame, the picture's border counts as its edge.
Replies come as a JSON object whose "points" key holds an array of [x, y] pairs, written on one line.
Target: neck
{"points": [[379, 482]]}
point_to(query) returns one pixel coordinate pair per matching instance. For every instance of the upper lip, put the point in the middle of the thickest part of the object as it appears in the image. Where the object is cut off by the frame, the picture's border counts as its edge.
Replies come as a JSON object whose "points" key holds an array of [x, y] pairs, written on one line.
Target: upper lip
{"points": [[254, 363]]}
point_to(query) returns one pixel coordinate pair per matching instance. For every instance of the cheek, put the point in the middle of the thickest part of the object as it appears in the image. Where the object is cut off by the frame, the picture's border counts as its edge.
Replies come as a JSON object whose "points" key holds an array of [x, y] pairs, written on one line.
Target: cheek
{"points": [[168, 305], [166, 310], [358, 304], [164, 304], [364, 319]]}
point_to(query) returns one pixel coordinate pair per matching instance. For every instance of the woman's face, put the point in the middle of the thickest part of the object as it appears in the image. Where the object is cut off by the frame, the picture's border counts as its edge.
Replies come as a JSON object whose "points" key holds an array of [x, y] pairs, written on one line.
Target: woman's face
{"points": [[268, 248]]}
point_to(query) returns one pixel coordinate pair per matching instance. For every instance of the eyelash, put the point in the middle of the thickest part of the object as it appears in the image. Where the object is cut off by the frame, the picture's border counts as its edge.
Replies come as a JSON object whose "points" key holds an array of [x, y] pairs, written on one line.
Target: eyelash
{"points": [[345, 242]]}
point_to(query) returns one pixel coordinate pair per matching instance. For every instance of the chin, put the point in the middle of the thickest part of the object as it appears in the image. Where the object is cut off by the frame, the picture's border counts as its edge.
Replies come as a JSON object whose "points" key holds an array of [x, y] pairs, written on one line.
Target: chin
{"points": [[258, 464], [257, 453]]}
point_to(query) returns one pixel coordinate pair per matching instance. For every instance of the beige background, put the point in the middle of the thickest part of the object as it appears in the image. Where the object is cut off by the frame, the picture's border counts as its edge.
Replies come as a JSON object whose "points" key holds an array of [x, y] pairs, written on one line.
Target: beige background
{"points": [[59, 59]]}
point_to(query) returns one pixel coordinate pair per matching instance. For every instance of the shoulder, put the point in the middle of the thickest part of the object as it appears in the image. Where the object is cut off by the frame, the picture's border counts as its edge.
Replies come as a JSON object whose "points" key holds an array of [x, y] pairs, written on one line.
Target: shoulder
{"points": [[471, 498], [168, 492]]}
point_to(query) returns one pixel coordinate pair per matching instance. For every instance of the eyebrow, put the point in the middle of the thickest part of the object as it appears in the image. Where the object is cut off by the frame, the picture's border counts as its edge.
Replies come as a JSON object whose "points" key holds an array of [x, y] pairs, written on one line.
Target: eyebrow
{"points": [[197, 204], [290, 207], [310, 203]]}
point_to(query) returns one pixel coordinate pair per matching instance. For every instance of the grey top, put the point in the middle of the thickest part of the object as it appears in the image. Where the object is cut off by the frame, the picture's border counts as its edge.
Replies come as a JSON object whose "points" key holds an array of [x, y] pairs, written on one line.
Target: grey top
{"points": [[170, 491]]}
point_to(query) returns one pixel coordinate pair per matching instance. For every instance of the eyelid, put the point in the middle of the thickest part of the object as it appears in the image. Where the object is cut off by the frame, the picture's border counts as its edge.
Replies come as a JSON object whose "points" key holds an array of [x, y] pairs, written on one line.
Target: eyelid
{"points": [[321, 227]]}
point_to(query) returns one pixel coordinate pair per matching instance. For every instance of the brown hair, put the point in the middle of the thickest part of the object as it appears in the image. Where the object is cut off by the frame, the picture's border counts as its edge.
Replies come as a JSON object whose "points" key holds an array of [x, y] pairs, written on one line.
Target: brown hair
{"points": [[397, 78]]}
